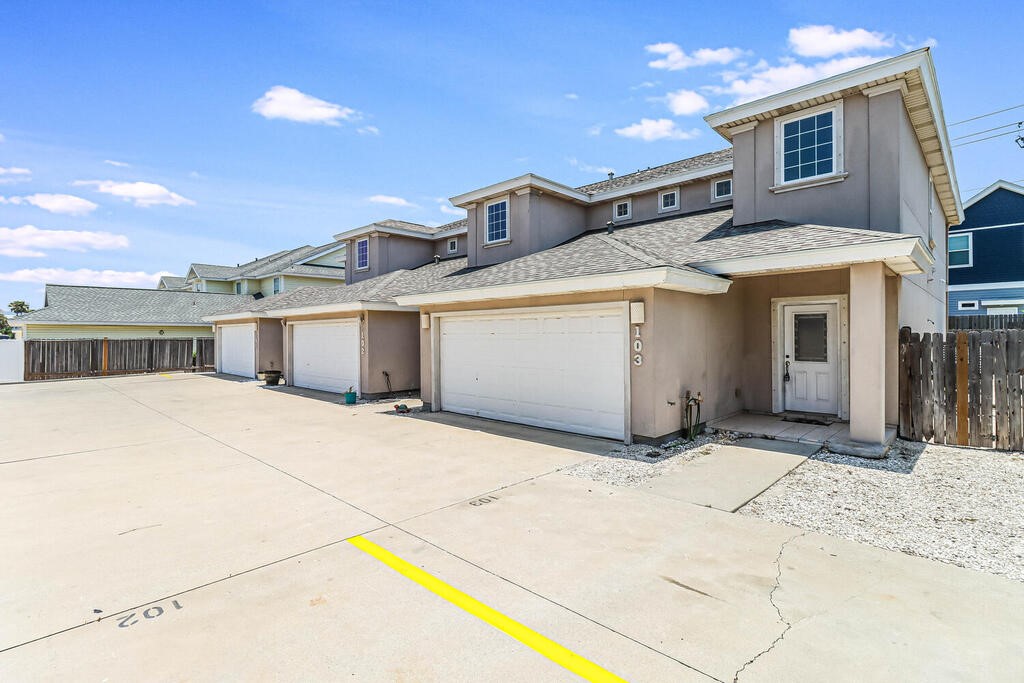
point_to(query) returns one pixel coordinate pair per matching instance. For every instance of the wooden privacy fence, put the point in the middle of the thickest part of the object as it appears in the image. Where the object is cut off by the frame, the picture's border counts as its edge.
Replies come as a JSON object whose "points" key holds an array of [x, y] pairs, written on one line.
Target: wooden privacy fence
{"points": [[1009, 321], [962, 387], [63, 358]]}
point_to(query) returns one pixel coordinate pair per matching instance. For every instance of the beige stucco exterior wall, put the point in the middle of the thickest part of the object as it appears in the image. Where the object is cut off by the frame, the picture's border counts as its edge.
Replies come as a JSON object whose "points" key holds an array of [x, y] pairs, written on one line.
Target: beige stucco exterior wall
{"points": [[115, 332], [269, 344], [535, 222], [694, 196], [389, 253], [392, 345]]}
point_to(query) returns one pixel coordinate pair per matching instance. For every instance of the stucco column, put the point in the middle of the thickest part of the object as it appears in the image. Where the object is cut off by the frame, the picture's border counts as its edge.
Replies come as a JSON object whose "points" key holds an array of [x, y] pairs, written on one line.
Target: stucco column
{"points": [[867, 352]]}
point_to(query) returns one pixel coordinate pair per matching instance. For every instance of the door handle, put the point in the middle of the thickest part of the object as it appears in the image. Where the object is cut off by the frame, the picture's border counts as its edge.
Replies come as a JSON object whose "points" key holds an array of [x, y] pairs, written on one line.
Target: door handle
{"points": [[785, 376]]}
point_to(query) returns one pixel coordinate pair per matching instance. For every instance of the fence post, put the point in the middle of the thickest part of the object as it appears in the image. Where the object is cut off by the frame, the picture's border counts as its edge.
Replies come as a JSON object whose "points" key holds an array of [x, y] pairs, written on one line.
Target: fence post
{"points": [[962, 356]]}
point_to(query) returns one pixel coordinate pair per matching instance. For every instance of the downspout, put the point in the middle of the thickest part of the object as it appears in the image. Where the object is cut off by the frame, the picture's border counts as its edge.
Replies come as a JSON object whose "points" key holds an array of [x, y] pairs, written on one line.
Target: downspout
{"points": [[285, 350]]}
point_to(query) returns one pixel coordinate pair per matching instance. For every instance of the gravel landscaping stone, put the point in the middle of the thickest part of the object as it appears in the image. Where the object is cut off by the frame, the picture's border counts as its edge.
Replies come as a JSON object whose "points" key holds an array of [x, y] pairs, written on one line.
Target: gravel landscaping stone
{"points": [[636, 464], [958, 505]]}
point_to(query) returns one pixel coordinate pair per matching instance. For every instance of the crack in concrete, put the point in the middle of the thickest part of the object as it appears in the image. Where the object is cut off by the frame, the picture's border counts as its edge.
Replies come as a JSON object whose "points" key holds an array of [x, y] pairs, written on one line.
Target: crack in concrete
{"points": [[771, 598]]}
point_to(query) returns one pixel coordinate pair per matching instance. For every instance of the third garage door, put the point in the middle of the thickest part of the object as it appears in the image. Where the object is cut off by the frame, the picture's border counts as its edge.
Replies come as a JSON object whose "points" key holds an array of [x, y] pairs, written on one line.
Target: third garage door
{"points": [[561, 369], [325, 356]]}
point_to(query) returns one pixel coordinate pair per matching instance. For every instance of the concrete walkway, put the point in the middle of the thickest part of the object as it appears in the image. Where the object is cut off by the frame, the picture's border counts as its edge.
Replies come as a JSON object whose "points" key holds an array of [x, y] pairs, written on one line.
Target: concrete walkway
{"points": [[731, 476], [189, 527]]}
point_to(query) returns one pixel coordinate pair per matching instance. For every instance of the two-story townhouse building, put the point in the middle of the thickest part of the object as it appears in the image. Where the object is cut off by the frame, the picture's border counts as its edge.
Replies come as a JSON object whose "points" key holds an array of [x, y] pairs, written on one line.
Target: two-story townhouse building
{"points": [[772, 279], [986, 253], [306, 266]]}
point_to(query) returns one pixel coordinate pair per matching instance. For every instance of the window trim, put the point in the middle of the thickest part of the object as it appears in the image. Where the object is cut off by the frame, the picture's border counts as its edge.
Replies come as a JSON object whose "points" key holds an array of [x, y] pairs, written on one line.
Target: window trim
{"points": [[628, 201], [969, 250], [238, 287], [366, 241], [661, 195], [715, 197], [972, 305], [838, 162], [508, 216], [277, 285], [453, 245]]}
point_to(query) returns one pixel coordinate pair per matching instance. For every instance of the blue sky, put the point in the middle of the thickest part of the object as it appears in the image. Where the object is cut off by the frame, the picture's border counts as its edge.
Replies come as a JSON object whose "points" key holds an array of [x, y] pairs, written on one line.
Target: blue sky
{"points": [[138, 139]]}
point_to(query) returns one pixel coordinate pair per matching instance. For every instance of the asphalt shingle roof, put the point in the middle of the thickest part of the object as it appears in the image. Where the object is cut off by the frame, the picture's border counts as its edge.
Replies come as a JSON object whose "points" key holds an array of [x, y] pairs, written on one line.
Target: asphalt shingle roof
{"points": [[280, 262], [76, 304], [678, 242], [173, 282], [692, 164]]}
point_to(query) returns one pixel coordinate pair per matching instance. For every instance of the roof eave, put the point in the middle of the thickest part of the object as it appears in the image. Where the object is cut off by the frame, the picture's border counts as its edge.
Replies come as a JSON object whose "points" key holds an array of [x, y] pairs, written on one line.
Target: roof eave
{"points": [[347, 307], [243, 315], [997, 185], [904, 256], [662, 277], [528, 180]]}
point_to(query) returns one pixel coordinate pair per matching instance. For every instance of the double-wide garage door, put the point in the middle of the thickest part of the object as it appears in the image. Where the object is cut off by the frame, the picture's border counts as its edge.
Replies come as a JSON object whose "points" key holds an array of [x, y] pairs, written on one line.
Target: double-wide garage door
{"points": [[562, 369], [237, 351], [325, 355]]}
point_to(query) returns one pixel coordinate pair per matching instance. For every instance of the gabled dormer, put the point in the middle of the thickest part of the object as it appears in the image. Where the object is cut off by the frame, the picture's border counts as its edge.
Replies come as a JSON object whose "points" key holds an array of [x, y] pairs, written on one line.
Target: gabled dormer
{"points": [[389, 245]]}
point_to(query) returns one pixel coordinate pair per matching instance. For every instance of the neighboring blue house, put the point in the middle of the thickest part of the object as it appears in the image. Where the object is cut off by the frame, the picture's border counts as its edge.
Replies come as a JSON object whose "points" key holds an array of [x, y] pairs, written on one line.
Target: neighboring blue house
{"points": [[986, 253]]}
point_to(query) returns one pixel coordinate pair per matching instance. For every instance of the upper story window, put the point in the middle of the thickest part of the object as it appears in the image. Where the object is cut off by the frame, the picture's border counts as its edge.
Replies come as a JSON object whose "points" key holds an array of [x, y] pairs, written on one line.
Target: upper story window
{"points": [[453, 245], [238, 288], [961, 251], [809, 144], [721, 189], [622, 210], [668, 200], [362, 254], [277, 285], [497, 221]]}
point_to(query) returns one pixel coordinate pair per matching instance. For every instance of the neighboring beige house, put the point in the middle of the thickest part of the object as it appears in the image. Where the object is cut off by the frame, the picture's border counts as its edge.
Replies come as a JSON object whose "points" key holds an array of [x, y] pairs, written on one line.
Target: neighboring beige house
{"points": [[76, 312], [173, 282], [332, 338], [306, 266], [772, 279]]}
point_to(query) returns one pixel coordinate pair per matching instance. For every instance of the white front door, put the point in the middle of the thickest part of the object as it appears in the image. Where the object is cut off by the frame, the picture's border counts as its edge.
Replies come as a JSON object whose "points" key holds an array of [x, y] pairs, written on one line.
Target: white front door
{"points": [[325, 355], [810, 379]]}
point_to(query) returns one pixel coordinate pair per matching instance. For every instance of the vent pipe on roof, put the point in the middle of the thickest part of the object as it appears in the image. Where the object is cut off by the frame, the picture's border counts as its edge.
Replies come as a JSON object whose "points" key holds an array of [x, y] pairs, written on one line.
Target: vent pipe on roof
{"points": [[611, 174], [610, 226], [437, 259]]}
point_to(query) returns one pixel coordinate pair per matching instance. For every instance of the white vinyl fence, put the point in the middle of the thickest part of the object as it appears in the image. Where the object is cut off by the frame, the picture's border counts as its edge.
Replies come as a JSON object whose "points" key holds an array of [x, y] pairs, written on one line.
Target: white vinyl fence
{"points": [[12, 360]]}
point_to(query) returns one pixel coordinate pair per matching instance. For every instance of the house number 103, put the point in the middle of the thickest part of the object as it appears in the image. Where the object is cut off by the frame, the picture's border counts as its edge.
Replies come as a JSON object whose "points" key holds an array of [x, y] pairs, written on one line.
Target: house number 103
{"points": [[638, 347]]}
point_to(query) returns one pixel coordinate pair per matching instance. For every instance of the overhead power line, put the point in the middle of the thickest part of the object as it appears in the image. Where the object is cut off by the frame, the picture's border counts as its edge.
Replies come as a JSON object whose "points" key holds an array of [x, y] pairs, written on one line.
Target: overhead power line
{"points": [[997, 135], [982, 116], [988, 130]]}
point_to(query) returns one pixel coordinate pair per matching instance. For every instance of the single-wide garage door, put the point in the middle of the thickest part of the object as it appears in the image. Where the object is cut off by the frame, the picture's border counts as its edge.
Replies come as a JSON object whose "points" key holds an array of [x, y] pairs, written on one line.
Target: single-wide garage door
{"points": [[325, 356], [560, 370], [238, 350]]}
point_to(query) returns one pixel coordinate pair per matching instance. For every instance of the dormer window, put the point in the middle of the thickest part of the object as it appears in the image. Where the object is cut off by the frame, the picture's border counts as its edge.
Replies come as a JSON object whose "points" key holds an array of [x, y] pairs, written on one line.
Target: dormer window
{"points": [[362, 254], [622, 210], [277, 285], [809, 144], [453, 245], [238, 288], [497, 221], [668, 200], [721, 189]]}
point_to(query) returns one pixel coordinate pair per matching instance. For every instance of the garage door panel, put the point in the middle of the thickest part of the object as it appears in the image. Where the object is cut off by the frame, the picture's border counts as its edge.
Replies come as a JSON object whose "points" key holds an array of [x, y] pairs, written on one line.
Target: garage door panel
{"points": [[326, 356], [559, 370], [238, 350]]}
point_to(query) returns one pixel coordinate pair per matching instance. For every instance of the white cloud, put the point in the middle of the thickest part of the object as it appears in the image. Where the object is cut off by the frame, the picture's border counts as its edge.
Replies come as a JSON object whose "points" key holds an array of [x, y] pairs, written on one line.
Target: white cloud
{"points": [[281, 102], [368, 130], [119, 164], [686, 102], [389, 199], [650, 130], [826, 40], [13, 174], [589, 168], [571, 96], [595, 130], [139, 193], [66, 204], [28, 241], [674, 58], [451, 210], [767, 80], [644, 85], [85, 276]]}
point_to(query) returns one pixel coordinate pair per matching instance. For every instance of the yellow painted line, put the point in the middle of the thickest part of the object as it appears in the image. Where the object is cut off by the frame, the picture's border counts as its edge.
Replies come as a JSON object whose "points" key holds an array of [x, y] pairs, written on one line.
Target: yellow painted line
{"points": [[164, 374], [545, 646]]}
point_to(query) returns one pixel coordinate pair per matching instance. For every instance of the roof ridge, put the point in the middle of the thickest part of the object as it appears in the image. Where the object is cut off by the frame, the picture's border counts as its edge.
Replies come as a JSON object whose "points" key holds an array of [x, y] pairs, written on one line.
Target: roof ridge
{"points": [[630, 250]]}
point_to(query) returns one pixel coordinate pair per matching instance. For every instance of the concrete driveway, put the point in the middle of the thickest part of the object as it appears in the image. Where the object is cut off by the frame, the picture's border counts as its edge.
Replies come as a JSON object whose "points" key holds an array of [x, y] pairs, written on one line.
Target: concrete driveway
{"points": [[196, 528]]}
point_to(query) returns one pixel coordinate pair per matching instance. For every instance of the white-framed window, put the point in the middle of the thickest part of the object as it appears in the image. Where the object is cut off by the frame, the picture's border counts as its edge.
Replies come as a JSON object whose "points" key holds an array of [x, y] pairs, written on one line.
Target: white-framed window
{"points": [[1002, 310], [967, 305], [721, 189], [622, 209], [277, 285], [453, 245], [809, 144], [668, 200], [496, 213], [363, 254], [961, 250], [238, 288]]}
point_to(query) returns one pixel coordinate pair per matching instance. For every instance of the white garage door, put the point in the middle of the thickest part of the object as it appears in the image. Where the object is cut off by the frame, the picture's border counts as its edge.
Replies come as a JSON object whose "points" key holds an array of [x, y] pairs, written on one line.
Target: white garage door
{"points": [[560, 370], [238, 350], [325, 356]]}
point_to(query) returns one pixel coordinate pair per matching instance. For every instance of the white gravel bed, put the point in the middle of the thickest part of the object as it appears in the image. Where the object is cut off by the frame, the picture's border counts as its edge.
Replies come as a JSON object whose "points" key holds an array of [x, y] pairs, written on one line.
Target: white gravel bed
{"points": [[957, 505], [636, 464]]}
